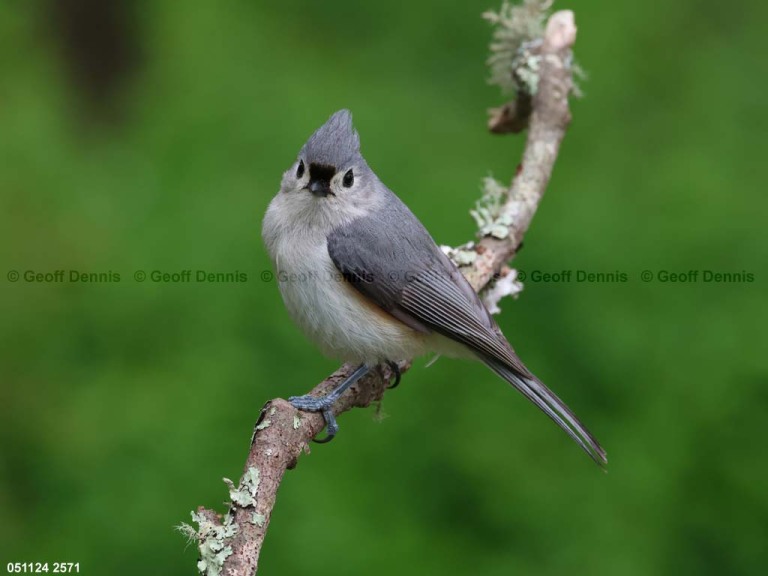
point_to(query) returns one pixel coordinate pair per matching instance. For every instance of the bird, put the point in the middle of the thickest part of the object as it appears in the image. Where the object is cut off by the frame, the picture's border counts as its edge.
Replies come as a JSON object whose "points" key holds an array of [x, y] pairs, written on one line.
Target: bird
{"points": [[366, 283]]}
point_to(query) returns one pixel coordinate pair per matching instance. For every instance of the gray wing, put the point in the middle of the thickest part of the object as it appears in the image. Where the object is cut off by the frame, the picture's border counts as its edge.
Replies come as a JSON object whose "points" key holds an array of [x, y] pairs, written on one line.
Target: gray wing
{"points": [[397, 265], [392, 259]]}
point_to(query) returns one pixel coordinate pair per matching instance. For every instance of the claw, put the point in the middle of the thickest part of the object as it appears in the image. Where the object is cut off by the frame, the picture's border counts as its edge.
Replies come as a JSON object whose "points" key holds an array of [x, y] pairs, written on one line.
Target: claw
{"points": [[331, 426], [396, 371]]}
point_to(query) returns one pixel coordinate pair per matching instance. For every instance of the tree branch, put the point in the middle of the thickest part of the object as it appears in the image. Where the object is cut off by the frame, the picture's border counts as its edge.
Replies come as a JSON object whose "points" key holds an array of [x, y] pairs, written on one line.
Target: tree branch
{"points": [[231, 545]]}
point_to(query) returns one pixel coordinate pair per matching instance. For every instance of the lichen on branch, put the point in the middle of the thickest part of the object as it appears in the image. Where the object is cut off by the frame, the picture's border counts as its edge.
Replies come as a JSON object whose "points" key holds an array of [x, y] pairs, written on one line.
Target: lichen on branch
{"points": [[513, 68]]}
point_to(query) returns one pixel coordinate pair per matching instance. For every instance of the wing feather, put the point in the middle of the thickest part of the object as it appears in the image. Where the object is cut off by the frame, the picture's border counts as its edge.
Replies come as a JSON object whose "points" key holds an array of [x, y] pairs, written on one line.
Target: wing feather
{"points": [[397, 265]]}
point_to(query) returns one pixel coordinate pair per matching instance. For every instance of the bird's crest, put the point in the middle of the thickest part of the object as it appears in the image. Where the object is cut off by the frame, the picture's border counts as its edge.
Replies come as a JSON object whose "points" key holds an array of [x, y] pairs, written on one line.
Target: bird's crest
{"points": [[335, 143]]}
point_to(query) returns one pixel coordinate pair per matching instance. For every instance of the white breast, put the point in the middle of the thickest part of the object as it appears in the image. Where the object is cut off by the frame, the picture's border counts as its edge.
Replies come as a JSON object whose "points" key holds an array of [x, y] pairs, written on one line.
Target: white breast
{"points": [[333, 315]]}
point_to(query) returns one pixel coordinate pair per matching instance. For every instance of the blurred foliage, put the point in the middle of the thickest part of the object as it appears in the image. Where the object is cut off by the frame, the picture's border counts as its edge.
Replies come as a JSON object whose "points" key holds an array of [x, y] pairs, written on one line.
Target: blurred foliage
{"points": [[123, 405]]}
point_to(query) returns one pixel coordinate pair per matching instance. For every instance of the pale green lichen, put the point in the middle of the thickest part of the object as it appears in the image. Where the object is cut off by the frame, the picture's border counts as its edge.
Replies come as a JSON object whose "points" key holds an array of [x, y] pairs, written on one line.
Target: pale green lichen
{"points": [[526, 69], [489, 214], [187, 531], [296, 422], [238, 496], [266, 423], [212, 542], [244, 494], [577, 73], [518, 32], [251, 479], [212, 537], [258, 519], [515, 27], [463, 255]]}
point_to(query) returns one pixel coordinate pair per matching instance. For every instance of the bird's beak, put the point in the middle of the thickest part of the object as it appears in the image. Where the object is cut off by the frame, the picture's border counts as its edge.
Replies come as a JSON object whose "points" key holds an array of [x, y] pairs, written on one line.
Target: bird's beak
{"points": [[320, 188]]}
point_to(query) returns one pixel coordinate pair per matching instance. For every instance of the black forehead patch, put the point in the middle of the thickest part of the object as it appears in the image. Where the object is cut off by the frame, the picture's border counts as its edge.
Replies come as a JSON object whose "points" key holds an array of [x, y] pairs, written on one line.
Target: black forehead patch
{"points": [[322, 172]]}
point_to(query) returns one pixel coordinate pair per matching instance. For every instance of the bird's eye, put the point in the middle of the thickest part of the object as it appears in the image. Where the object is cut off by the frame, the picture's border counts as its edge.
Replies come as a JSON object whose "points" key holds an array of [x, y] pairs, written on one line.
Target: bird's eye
{"points": [[300, 169], [349, 179]]}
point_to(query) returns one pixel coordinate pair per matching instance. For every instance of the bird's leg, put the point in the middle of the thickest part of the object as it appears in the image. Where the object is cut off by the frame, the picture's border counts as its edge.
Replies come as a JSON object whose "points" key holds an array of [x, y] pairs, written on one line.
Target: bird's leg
{"points": [[314, 404], [324, 403], [396, 371]]}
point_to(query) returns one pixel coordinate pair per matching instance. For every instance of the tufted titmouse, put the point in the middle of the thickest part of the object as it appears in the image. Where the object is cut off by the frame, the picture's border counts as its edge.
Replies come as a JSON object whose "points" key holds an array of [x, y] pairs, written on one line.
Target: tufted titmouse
{"points": [[367, 284]]}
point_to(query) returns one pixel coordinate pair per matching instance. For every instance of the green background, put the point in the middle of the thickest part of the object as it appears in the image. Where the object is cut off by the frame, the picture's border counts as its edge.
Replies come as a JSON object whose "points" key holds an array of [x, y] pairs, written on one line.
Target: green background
{"points": [[123, 405]]}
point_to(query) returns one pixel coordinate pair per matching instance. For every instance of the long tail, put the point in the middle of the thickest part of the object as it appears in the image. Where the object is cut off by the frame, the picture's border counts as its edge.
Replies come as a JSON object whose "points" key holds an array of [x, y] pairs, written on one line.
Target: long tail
{"points": [[553, 407]]}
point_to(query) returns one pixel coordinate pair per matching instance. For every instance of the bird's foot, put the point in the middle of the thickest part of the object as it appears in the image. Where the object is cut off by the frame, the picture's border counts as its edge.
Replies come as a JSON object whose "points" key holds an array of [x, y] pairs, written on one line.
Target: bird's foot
{"points": [[325, 403]]}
